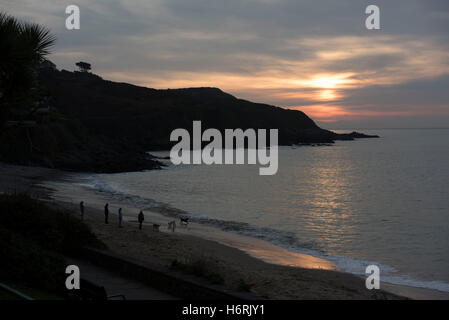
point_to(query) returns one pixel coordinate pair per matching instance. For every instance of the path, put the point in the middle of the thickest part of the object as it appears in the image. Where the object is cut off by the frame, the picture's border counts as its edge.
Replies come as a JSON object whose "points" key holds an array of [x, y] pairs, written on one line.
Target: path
{"points": [[115, 284]]}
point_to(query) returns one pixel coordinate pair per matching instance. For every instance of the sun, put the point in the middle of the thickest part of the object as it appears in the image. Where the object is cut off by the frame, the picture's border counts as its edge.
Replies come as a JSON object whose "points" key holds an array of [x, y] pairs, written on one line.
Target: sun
{"points": [[327, 94], [327, 83], [331, 81]]}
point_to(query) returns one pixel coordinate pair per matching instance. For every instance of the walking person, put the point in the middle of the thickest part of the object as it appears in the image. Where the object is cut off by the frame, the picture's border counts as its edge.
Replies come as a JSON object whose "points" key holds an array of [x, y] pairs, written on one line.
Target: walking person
{"points": [[82, 209], [120, 217], [140, 218], [106, 213]]}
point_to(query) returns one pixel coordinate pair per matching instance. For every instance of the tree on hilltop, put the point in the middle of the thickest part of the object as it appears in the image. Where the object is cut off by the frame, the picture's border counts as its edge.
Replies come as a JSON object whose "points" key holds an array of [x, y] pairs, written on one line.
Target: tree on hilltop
{"points": [[83, 66]]}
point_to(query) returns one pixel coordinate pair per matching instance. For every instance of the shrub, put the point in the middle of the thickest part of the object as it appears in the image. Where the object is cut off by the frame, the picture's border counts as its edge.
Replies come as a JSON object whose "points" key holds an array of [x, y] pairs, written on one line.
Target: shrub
{"points": [[198, 267], [244, 286], [52, 229], [30, 264]]}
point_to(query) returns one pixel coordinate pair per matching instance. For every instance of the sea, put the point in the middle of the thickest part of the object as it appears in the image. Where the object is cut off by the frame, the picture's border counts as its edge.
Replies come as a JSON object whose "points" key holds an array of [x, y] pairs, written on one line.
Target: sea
{"points": [[378, 201]]}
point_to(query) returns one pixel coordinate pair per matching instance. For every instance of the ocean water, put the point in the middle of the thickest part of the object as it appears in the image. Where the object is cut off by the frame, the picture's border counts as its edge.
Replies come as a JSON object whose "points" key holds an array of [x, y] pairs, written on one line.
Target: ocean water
{"points": [[371, 201]]}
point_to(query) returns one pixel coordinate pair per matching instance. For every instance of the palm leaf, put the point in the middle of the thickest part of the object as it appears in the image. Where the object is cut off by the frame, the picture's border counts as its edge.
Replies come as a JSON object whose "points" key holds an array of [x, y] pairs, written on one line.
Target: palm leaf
{"points": [[22, 47], [38, 39]]}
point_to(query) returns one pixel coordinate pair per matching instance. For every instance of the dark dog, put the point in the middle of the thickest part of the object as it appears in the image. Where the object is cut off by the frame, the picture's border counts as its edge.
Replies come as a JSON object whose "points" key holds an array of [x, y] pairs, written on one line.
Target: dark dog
{"points": [[184, 222]]}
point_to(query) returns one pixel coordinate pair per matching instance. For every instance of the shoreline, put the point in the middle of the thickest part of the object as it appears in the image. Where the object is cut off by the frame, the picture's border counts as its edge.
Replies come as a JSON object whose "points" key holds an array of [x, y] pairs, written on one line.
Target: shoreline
{"points": [[266, 280], [266, 265], [257, 255]]}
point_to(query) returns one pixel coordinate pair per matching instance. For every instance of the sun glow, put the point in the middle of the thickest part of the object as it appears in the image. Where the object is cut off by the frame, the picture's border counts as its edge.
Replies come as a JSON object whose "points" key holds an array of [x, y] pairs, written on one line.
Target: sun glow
{"points": [[333, 81], [324, 113], [328, 94]]}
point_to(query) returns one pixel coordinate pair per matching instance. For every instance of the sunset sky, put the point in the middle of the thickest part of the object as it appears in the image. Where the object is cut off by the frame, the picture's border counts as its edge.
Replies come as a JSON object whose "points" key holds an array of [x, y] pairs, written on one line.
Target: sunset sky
{"points": [[315, 55]]}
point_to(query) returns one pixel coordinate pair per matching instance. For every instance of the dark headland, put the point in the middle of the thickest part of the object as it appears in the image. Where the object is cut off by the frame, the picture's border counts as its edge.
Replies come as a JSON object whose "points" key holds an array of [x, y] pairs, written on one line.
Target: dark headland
{"points": [[95, 125]]}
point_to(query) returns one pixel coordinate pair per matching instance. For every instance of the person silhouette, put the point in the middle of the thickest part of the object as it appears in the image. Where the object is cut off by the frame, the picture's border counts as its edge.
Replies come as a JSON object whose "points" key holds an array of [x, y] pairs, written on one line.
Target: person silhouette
{"points": [[106, 213], [140, 218], [82, 209], [120, 217]]}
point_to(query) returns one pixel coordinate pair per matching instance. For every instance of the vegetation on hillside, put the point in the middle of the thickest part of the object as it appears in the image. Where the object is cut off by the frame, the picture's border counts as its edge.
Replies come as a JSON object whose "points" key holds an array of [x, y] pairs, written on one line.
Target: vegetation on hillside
{"points": [[32, 130], [145, 117]]}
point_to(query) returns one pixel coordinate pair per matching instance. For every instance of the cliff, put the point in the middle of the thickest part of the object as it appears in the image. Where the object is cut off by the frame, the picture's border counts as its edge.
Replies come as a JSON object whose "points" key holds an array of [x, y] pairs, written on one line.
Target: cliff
{"points": [[104, 126]]}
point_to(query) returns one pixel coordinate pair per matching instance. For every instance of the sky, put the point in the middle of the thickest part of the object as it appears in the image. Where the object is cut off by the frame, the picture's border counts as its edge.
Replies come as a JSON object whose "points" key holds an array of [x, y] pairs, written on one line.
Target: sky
{"points": [[316, 56]]}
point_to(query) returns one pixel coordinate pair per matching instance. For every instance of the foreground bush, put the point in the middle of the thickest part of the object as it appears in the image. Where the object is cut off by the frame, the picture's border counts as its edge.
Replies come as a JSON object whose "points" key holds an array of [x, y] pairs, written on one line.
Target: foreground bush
{"points": [[29, 264], [198, 267], [51, 229], [34, 239]]}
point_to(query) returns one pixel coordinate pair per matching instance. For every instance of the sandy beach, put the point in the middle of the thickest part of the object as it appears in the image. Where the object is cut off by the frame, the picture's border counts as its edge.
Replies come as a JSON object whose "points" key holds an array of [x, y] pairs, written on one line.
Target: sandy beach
{"points": [[268, 271], [266, 280]]}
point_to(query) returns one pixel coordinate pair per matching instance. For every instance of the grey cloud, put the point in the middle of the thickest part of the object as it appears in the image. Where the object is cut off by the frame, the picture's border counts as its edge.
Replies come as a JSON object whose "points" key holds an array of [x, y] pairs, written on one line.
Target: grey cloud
{"points": [[421, 93], [365, 63]]}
